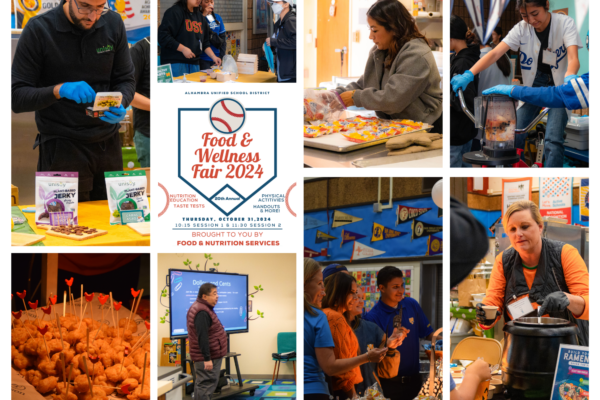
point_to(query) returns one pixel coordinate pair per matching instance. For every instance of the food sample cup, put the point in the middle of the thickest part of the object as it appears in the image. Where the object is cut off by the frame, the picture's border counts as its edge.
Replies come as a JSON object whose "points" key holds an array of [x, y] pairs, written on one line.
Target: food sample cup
{"points": [[490, 311]]}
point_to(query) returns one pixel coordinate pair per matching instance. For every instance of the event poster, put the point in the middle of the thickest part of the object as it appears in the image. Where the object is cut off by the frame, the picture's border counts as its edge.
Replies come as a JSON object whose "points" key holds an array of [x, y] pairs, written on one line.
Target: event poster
{"points": [[556, 198], [514, 190], [584, 199], [228, 184], [572, 376]]}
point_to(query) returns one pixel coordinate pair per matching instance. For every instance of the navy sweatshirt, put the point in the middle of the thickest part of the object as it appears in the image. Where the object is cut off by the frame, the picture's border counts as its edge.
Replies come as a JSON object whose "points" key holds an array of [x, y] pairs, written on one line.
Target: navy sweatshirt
{"points": [[52, 51], [180, 26]]}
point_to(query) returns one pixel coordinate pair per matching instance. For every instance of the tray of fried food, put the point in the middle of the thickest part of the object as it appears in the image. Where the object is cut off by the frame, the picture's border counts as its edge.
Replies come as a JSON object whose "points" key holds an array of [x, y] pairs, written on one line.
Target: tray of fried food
{"points": [[113, 369]]}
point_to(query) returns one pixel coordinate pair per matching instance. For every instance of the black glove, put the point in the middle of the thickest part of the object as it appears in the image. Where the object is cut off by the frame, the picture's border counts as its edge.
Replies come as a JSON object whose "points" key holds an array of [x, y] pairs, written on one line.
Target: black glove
{"points": [[557, 301], [481, 315], [215, 40]]}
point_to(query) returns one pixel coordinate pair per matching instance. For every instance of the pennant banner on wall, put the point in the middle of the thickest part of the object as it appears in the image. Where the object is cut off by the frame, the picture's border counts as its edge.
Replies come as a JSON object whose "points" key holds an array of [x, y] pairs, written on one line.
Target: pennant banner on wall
{"points": [[475, 8], [434, 246], [341, 219], [308, 253], [360, 251], [584, 200], [380, 232], [405, 213], [581, 10], [556, 198], [497, 7], [323, 237], [348, 236], [514, 190], [311, 223], [421, 229]]}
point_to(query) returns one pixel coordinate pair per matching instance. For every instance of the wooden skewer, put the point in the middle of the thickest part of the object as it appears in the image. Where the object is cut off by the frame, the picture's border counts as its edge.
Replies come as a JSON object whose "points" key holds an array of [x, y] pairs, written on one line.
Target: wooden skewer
{"points": [[70, 304], [69, 379], [88, 340], [87, 374], [92, 308], [28, 319], [60, 331], [130, 314], [46, 344], [62, 361], [82, 318], [74, 307], [65, 304], [138, 303], [107, 387], [81, 304], [144, 373], [112, 313], [48, 300]]}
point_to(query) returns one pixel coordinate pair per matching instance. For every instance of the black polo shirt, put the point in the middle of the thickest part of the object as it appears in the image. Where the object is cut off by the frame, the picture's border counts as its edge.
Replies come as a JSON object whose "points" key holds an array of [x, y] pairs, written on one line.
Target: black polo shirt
{"points": [[140, 55], [52, 51]]}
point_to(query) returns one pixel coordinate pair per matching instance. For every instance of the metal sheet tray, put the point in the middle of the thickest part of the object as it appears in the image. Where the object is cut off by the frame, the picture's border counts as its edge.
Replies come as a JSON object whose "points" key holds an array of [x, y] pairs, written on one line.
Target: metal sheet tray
{"points": [[339, 144]]}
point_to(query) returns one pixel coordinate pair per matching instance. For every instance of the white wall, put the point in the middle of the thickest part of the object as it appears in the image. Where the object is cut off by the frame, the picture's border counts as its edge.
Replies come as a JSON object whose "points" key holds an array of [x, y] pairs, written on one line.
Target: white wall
{"points": [[310, 51], [277, 275]]}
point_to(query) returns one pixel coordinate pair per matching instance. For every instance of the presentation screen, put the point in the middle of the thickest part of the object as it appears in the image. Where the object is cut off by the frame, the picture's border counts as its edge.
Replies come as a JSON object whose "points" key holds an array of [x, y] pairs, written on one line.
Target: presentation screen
{"points": [[232, 307]]}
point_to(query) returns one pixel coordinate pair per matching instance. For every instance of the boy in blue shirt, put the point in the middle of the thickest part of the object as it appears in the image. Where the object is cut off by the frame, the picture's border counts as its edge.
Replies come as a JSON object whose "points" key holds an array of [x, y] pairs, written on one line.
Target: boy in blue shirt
{"points": [[390, 282]]}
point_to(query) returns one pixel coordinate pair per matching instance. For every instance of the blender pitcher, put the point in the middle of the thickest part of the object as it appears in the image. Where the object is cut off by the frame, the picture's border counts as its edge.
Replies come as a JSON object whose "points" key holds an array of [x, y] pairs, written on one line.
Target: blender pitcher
{"points": [[496, 116]]}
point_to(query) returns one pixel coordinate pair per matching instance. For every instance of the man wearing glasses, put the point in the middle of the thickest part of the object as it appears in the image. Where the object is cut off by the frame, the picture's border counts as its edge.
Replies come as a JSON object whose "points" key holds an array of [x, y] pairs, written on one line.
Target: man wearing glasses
{"points": [[64, 57]]}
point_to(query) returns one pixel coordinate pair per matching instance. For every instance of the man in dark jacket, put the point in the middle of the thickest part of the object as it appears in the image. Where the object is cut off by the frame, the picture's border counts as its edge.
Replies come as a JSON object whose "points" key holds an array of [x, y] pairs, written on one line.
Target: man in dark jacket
{"points": [[208, 341], [64, 57], [462, 129], [283, 41], [140, 55]]}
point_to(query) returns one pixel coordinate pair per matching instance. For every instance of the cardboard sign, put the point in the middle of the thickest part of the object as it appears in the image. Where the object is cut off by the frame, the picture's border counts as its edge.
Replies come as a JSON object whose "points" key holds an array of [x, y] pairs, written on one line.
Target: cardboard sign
{"points": [[514, 190], [556, 197], [164, 74], [572, 375]]}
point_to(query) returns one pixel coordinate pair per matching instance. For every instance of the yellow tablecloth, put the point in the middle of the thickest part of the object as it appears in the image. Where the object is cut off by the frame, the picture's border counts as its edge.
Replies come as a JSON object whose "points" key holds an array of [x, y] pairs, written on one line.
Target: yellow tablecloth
{"points": [[94, 214], [259, 77]]}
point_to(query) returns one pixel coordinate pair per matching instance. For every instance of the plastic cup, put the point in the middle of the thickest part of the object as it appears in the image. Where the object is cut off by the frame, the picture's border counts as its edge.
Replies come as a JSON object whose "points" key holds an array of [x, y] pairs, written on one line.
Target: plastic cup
{"points": [[490, 311]]}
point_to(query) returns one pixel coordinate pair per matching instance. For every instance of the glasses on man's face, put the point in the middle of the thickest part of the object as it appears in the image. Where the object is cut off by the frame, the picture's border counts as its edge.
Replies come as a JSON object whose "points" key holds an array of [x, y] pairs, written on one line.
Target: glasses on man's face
{"points": [[87, 9]]}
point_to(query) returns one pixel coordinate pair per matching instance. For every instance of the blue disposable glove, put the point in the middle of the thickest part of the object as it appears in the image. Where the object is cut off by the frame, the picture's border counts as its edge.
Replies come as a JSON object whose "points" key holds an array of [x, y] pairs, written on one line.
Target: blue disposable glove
{"points": [[499, 89], [570, 78], [461, 81], [116, 115], [79, 92]]}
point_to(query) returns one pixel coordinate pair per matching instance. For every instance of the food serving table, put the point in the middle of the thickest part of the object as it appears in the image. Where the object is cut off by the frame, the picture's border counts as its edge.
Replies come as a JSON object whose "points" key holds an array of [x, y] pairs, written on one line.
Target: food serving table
{"points": [[259, 77], [94, 214]]}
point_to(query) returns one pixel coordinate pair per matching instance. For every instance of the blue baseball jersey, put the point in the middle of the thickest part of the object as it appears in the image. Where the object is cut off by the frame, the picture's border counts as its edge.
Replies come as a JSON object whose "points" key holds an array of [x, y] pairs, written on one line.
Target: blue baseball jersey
{"points": [[217, 28], [413, 319], [573, 95]]}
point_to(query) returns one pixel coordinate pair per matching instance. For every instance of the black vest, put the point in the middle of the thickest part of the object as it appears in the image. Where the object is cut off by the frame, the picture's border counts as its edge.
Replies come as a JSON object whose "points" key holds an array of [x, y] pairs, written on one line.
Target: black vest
{"points": [[549, 278]]}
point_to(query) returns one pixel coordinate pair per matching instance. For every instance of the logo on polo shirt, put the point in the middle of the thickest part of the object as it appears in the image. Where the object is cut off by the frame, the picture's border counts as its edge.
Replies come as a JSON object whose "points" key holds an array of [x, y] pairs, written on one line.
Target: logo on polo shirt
{"points": [[106, 49], [411, 320]]}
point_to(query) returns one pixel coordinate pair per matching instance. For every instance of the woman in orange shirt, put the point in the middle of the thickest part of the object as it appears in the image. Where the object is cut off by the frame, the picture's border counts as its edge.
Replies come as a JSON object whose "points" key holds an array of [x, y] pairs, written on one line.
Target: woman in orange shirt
{"points": [[550, 273], [341, 296]]}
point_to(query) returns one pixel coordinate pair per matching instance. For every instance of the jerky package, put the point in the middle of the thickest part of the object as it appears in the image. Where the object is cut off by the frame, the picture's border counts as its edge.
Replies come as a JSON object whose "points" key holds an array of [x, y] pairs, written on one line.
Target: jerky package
{"points": [[126, 190], [56, 194]]}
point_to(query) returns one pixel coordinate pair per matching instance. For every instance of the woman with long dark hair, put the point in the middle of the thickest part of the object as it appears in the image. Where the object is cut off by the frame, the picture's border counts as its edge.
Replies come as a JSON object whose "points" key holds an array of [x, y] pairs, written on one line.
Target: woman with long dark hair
{"points": [[401, 78], [548, 44], [217, 34], [183, 35], [320, 354]]}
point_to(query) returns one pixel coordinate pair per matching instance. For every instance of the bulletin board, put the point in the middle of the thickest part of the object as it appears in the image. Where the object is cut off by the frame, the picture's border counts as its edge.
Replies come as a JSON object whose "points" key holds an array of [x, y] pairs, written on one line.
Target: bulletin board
{"points": [[393, 233]]}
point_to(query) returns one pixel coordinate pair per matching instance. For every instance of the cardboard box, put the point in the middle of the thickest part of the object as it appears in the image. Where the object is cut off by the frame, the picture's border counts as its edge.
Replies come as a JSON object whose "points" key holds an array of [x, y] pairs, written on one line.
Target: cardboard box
{"points": [[224, 77]]}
